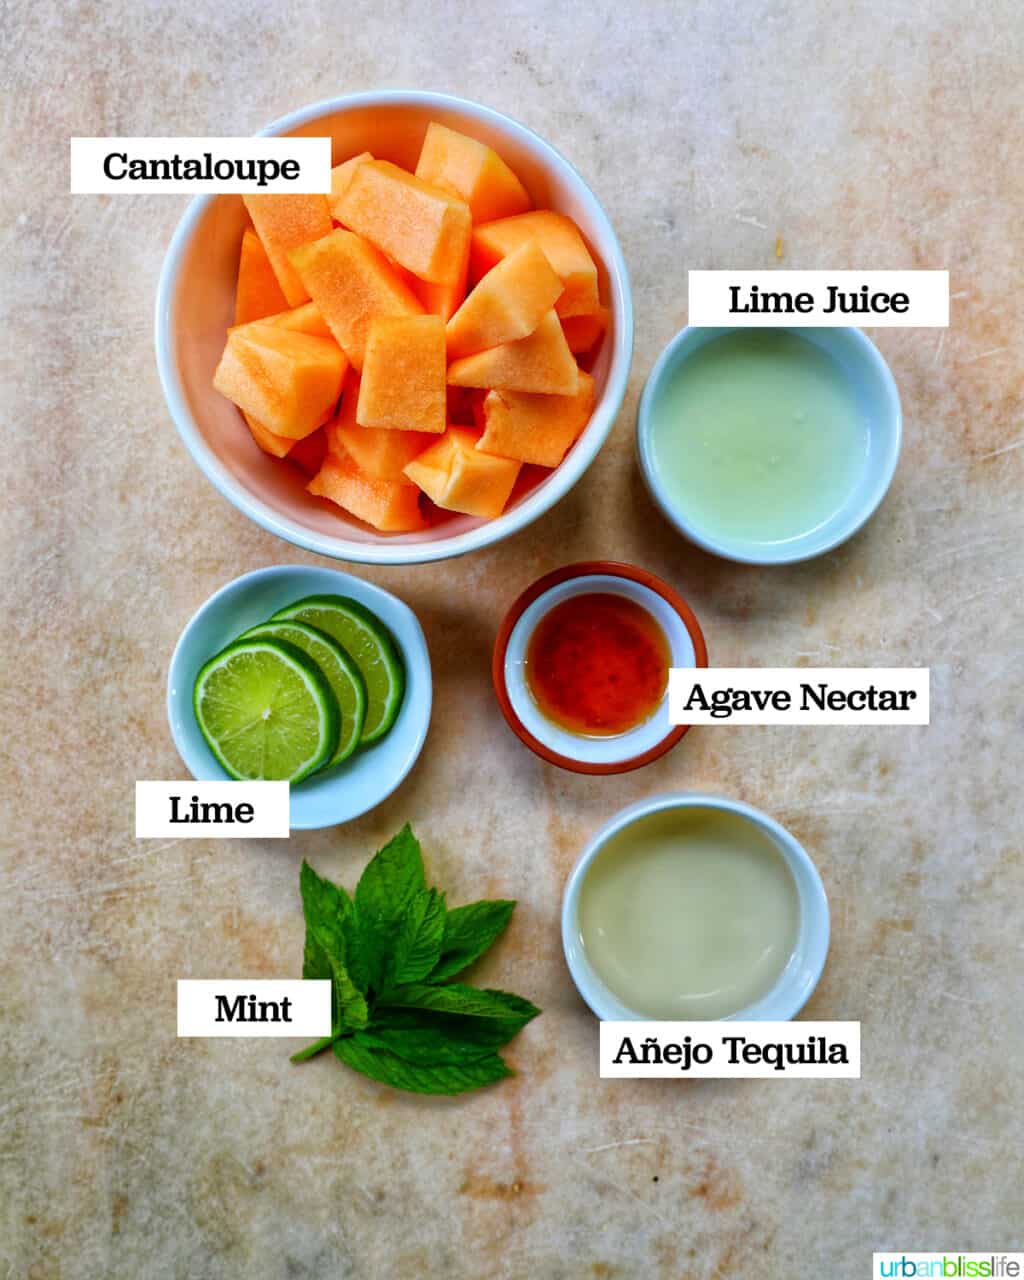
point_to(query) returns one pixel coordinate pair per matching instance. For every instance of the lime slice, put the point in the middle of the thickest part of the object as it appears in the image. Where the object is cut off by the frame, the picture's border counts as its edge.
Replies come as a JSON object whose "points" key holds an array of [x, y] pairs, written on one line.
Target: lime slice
{"points": [[363, 636], [266, 711], [340, 672]]}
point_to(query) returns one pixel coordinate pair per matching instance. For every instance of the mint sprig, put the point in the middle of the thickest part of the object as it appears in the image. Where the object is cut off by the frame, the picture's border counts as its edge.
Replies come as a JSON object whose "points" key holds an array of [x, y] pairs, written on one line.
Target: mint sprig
{"points": [[390, 952]]}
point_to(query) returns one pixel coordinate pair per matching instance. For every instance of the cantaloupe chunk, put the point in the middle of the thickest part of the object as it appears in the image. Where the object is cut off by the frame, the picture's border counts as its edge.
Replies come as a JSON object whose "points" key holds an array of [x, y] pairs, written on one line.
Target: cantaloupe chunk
{"points": [[257, 293], [583, 332], [531, 428], [276, 446], [378, 452], [472, 170], [424, 229], [352, 282], [385, 504], [457, 477], [282, 222], [308, 454], [341, 176], [304, 319], [563, 246], [286, 381], [541, 362], [403, 386], [508, 303]]}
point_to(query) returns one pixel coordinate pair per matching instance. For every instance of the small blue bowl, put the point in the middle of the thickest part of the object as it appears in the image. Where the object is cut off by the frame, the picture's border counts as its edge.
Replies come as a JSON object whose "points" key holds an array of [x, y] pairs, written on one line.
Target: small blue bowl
{"points": [[876, 388], [365, 779]]}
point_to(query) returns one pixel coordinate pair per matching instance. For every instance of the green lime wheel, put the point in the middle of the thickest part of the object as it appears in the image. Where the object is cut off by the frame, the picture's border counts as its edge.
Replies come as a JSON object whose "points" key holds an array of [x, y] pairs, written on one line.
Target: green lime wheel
{"points": [[266, 711], [340, 672], [366, 639]]}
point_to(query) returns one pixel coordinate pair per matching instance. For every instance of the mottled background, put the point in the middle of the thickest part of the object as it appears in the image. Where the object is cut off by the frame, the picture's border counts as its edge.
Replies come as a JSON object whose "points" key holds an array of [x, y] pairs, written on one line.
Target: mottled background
{"points": [[877, 135]]}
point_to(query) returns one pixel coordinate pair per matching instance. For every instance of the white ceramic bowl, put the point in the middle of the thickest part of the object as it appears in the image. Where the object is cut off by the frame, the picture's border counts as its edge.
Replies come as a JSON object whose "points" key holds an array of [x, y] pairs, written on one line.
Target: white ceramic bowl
{"points": [[195, 303], [879, 398], [366, 778], [798, 979], [580, 753]]}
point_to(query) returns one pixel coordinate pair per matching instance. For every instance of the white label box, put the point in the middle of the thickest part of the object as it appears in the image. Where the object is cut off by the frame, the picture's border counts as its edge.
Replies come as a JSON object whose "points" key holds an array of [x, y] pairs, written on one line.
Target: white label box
{"points": [[766, 299], [189, 810], [194, 166], [730, 1050], [261, 1007], [799, 695]]}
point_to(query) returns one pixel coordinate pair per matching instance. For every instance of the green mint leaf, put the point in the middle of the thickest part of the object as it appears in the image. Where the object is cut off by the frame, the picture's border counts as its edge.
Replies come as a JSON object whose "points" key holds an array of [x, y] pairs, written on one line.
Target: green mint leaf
{"points": [[454, 998], [468, 932], [325, 906], [327, 909], [445, 1078], [393, 877], [421, 1036], [417, 944]]}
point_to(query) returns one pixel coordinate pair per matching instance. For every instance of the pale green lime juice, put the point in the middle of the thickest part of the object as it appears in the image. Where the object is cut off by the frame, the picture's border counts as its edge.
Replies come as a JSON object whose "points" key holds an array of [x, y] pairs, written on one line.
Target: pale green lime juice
{"points": [[759, 436]]}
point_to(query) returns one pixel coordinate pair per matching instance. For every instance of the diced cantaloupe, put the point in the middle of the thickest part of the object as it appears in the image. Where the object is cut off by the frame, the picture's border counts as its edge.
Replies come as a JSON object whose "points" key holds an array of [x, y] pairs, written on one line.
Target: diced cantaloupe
{"points": [[282, 222], [378, 452], [276, 446], [341, 176], [472, 170], [352, 282], [541, 362], [583, 332], [403, 386], [286, 381], [443, 299], [424, 229], [457, 477], [308, 454], [304, 319], [563, 246], [532, 428], [508, 303], [257, 293], [385, 504]]}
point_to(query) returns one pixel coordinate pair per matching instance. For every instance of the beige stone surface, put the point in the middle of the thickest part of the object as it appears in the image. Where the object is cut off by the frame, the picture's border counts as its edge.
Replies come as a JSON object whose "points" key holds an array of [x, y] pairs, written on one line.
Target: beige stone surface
{"points": [[874, 135]]}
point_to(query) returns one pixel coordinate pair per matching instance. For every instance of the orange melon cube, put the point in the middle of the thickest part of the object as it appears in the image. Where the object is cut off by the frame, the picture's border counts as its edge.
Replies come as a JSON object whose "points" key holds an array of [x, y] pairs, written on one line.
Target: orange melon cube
{"points": [[378, 452], [276, 446], [257, 293], [508, 303], [455, 476], [424, 229], [403, 386], [541, 362], [282, 222], [352, 282], [472, 170], [341, 176], [563, 246], [286, 381], [532, 428], [388, 506], [304, 319], [583, 332], [443, 299]]}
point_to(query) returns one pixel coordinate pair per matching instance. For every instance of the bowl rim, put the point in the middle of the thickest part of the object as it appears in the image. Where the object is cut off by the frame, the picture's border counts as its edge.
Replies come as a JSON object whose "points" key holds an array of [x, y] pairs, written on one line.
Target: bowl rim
{"points": [[546, 494], [740, 552], [584, 569], [590, 987], [392, 602]]}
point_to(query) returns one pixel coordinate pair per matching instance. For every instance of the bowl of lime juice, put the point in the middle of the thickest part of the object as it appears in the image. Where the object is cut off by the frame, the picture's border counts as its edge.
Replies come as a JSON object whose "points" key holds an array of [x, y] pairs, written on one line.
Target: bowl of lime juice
{"points": [[768, 446]]}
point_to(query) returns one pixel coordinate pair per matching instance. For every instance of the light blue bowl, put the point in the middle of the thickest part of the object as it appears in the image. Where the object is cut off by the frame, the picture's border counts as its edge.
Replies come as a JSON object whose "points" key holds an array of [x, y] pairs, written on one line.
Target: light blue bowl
{"points": [[876, 389], [368, 777]]}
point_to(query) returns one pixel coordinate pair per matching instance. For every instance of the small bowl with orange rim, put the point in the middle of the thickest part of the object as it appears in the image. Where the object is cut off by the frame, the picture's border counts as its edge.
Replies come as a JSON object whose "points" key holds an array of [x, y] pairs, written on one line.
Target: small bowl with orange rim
{"points": [[581, 665]]}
